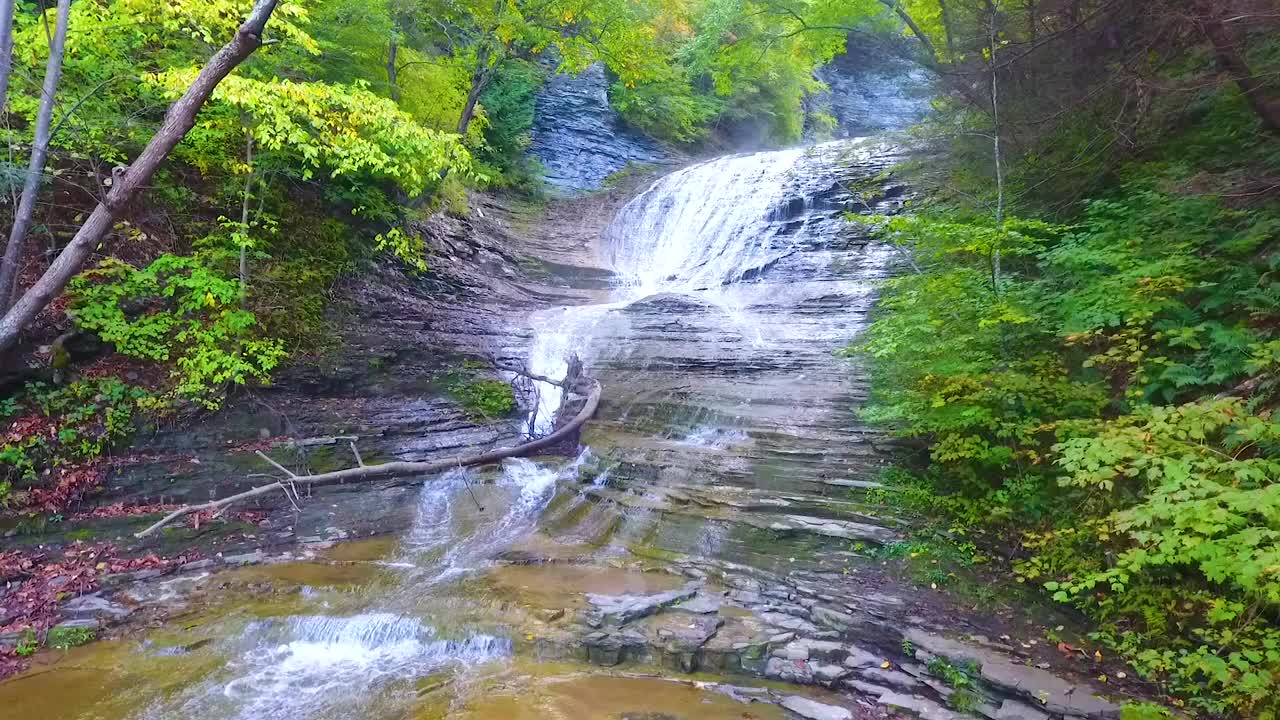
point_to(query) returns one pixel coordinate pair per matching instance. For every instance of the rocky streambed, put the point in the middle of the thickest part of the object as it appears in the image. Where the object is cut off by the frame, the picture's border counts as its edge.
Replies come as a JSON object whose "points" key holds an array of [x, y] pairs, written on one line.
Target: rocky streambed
{"points": [[708, 551]]}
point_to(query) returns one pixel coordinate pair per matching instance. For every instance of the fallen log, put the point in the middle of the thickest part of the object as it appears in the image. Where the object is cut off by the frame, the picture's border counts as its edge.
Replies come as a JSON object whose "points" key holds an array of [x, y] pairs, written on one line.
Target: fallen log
{"points": [[382, 471]]}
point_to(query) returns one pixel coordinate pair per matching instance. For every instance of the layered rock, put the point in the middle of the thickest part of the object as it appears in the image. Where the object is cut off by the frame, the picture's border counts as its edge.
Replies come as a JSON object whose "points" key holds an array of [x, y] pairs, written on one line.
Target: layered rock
{"points": [[580, 139]]}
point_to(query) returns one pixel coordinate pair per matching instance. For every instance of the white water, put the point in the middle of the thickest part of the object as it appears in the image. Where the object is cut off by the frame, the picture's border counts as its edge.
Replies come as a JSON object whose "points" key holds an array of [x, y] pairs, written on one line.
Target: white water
{"points": [[700, 232], [339, 666], [700, 228]]}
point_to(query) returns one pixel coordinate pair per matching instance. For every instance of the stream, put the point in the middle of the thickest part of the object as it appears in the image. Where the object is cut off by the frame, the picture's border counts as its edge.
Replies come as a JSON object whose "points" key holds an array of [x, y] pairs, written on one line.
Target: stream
{"points": [[713, 522]]}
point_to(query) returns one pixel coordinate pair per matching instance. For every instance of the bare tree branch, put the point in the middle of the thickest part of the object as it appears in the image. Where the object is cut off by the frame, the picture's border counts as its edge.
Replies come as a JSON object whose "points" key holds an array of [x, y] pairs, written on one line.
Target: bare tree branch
{"points": [[383, 471]]}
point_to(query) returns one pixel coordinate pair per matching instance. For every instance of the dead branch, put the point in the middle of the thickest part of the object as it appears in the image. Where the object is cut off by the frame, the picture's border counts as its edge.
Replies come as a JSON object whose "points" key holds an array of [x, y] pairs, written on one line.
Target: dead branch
{"points": [[365, 473]]}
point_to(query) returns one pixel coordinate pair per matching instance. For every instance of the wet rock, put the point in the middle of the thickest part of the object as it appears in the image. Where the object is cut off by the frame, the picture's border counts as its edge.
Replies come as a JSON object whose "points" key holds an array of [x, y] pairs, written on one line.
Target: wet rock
{"points": [[807, 648], [921, 707], [1014, 710], [621, 609], [1056, 695], [613, 648], [80, 624], [788, 622], [859, 658], [93, 607], [549, 615], [702, 603], [680, 637], [833, 619], [892, 678], [813, 710], [870, 90], [844, 529], [792, 671], [826, 674], [250, 558]]}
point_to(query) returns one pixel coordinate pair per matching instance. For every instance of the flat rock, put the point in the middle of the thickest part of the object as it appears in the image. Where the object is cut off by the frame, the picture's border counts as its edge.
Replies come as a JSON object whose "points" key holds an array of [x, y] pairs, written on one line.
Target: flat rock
{"points": [[621, 609], [702, 604], [1056, 695], [833, 619], [1014, 710], [844, 529], [788, 622], [892, 678], [859, 658], [813, 710], [921, 707], [92, 607]]}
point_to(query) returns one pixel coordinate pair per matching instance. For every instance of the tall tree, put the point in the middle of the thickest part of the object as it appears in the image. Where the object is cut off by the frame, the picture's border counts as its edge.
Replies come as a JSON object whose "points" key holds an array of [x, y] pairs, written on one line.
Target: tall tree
{"points": [[130, 181], [577, 32], [6, 48], [13, 252]]}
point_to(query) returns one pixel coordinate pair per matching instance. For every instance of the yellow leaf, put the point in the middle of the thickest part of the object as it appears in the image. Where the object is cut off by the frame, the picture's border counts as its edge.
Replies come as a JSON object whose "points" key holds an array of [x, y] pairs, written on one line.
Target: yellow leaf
{"points": [[886, 664]]}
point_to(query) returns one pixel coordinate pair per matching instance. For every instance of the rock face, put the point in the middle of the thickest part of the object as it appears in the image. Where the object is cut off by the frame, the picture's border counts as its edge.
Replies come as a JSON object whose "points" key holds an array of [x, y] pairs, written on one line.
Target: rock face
{"points": [[870, 92], [579, 138]]}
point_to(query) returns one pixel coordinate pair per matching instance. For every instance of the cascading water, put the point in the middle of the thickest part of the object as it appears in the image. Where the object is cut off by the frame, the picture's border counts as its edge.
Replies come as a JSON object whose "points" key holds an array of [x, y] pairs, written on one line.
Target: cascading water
{"points": [[702, 227], [364, 663], [705, 232], [729, 287]]}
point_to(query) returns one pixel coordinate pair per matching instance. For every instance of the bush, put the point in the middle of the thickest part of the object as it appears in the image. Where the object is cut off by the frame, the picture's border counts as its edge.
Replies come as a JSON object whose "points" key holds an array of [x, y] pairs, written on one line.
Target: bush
{"points": [[180, 311]]}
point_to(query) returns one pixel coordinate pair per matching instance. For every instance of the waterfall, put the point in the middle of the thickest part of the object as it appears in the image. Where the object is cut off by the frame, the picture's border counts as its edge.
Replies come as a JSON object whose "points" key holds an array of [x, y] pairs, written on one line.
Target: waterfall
{"points": [[703, 232], [702, 227]]}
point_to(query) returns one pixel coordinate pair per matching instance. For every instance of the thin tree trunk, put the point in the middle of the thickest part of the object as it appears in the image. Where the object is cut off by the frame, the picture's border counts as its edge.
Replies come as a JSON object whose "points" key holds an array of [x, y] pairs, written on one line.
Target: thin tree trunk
{"points": [[947, 28], [178, 121], [392, 71], [479, 79], [6, 48], [39, 154], [1228, 51], [244, 215], [996, 150]]}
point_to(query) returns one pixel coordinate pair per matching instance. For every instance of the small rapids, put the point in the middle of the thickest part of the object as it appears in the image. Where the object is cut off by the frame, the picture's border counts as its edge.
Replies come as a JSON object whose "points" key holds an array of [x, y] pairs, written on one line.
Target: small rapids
{"points": [[322, 666], [326, 666]]}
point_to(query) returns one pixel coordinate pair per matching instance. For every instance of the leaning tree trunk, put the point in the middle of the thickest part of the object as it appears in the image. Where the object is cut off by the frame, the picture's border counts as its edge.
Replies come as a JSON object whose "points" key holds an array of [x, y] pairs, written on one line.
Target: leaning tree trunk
{"points": [[178, 121], [39, 154], [1228, 50], [479, 79]]}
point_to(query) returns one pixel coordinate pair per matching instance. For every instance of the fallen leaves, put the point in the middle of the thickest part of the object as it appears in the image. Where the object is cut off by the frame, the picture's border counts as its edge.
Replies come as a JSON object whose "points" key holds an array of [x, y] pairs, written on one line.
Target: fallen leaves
{"points": [[44, 582]]}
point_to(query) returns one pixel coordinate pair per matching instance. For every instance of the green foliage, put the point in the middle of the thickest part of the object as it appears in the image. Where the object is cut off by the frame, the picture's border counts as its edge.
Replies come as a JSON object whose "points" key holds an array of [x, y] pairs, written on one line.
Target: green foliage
{"points": [[65, 426], [667, 108], [180, 311], [407, 248], [344, 129], [28, 643], [509, 106], [483, 399], [65, 638], [1066, 382]]}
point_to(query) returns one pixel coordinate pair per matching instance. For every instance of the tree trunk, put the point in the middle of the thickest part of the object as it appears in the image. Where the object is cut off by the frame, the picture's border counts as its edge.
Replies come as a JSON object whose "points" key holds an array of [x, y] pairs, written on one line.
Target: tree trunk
{"points": [[947, 27], [244, 215], [178, 121], [995, 146], [6, 48], [1228, 50], [39, 154], [392, 71], [479, 79]]}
